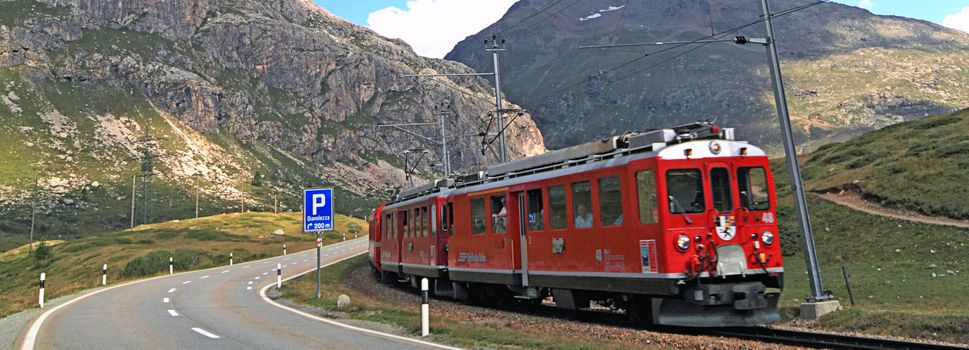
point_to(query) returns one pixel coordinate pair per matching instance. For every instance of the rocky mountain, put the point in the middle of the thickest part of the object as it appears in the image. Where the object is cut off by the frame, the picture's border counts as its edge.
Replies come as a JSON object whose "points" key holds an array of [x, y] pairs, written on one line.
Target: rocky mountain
{"points": [[249, 101], [846, 69]]}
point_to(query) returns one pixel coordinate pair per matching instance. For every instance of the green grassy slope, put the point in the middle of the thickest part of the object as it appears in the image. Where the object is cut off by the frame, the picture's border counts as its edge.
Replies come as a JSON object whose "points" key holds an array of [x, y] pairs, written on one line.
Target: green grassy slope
{"points": [[144, 251], [918, 166]]}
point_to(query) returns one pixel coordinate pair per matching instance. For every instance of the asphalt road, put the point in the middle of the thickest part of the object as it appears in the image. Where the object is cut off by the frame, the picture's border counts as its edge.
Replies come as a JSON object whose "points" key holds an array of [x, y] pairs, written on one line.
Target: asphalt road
{"points": [[211, 309]]}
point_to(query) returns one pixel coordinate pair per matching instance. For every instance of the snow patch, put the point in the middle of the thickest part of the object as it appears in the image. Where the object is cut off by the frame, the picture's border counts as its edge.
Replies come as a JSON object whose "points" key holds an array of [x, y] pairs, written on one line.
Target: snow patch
{"points": [[599, 13], [592, 16]]}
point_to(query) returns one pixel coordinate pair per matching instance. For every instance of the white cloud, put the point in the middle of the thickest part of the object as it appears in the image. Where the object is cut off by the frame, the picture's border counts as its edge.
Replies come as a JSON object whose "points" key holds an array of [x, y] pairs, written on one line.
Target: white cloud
{"points": [[866, 4], [433, 27], [958, 20]]}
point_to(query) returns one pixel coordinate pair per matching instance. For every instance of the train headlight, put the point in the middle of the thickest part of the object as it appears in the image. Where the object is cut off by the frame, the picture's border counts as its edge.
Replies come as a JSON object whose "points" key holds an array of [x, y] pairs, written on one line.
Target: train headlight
{"points": [[767, 237], [682, 243], [714, 147]]}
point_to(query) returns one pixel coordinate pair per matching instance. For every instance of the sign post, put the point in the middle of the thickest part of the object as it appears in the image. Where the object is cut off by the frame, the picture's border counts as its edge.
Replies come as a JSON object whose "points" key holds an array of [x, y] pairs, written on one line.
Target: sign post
{"points": [[318, 217]]}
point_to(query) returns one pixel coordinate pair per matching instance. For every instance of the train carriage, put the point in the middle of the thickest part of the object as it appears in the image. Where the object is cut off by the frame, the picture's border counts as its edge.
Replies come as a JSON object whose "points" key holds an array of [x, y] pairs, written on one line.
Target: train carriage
{"points": [[676, 226]]}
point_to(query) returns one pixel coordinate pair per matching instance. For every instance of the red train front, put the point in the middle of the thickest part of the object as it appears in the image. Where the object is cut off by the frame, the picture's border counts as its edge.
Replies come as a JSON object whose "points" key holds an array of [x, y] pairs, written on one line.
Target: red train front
{"points": [[676, 226]]}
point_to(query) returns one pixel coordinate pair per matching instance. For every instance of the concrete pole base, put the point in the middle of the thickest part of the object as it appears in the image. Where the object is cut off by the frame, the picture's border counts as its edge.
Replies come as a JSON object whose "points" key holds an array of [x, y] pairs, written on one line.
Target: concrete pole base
{"points": [[812, 311]]}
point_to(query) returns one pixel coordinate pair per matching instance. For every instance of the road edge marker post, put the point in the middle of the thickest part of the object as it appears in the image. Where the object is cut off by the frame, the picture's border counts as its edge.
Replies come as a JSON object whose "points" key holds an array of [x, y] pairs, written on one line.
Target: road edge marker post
{"points": [[425, 317], [171, 266], [284, 248], [40, 298], [279, 275], [104, 275], [230, 258]]}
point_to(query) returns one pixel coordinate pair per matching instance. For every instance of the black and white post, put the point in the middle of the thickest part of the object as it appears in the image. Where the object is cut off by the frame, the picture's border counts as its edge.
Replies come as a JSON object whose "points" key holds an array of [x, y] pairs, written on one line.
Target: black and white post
{"points": [[104, 275], [425, 317], [319, 248], [279, 276], [284, 248], [230, 258], [171, 266], [40, 298]]}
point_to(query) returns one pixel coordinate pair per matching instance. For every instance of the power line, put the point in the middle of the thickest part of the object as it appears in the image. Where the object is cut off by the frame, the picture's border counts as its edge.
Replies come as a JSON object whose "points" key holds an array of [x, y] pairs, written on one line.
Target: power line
{"points": [[540, 10], [645, 55], [556, 13]]}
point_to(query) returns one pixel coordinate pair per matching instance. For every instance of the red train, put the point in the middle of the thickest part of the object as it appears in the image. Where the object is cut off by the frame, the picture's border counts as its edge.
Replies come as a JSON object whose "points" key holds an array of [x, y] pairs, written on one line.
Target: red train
{"points": [[675, 226]]}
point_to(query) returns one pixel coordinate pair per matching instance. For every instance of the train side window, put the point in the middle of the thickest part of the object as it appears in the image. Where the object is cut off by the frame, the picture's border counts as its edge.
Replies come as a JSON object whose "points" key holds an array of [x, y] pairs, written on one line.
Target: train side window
{"points": [[646, 191], [396, 227], [684, 190], [405, 214], [444, 227], [557, 217], [582, 204], [416, 227], [477, 216], [610, 201], [536, 219], [752, 183], [720, 188], [450, 217], [425, 222], [433, 212], [499, 214]]}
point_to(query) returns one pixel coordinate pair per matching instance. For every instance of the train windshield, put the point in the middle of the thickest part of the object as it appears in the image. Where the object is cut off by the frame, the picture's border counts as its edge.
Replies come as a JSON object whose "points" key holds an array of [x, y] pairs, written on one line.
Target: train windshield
{"points": [[720, 188], [752, 183], [684, 189]]}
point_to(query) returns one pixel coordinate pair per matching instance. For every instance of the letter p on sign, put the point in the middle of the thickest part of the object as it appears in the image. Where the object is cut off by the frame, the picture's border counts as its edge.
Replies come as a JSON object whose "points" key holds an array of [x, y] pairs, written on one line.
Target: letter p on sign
{"points": [[319, 201]]}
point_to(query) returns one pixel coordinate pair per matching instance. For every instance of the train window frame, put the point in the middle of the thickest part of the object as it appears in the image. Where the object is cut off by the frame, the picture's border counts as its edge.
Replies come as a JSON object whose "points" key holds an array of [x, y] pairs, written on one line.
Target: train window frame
{"points": [[723, 190], [536, 219], [498, 221], [676, 202], [574, 222], [553, 213], [746, 187], [425, 222], [613, 220], [482, 215], [418, 223], [405, 224]]}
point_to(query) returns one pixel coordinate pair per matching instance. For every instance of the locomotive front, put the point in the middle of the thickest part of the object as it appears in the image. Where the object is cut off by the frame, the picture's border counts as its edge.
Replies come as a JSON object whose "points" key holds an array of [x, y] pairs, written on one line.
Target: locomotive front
{"points": [[720, 222]]}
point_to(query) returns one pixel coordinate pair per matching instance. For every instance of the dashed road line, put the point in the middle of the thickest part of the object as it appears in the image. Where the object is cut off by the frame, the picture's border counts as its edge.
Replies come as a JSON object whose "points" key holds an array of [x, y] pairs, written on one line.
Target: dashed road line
{"points": [[248, 287], [204, 277], [226, 271], [173, 313], [171, 290], [250, 282], [166, 300], [205, 333], [186, 282], [257, 277], [265, 273]]}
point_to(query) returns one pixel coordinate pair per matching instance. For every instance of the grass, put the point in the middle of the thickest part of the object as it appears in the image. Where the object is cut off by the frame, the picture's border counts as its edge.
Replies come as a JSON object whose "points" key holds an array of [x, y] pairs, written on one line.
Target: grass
{"points": [[456, 332], [196, 243]]}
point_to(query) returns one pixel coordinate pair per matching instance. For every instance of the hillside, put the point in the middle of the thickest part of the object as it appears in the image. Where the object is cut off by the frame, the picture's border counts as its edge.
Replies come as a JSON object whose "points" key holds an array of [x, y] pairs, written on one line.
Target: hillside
{"points": [[916, 166], [144, 251], [848, 71], [247, 100]]}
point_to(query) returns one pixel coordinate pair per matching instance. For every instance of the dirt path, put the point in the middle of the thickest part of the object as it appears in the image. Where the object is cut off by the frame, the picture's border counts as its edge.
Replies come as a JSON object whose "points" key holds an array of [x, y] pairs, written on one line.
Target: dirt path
{"points": [[854, 201]]}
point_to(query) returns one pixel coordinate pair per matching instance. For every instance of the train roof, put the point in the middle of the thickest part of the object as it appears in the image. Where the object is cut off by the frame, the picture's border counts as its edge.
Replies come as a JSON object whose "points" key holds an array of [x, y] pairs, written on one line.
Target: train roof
{"points": [[597, 152]]}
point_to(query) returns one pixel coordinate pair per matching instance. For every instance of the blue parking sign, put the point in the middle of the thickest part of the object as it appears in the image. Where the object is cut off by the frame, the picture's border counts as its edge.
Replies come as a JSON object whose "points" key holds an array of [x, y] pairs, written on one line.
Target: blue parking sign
{"points": [[318, 209]]}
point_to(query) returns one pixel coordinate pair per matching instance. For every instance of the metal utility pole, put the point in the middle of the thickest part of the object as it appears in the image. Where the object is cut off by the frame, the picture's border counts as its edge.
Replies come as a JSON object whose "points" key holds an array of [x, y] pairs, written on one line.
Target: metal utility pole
{"points": [[797, 187], [134, 179], [33, 216], [495, 49], [446, 161], [196, 201]]}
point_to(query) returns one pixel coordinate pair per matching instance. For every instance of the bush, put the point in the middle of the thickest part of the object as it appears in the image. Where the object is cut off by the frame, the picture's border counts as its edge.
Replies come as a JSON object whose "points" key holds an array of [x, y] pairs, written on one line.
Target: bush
{"points": [[154, 262], [43, 252]]}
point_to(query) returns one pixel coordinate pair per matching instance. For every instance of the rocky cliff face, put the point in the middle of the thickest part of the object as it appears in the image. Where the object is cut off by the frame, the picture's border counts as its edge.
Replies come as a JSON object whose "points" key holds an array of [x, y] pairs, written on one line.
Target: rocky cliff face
{"points": [[234, 91], [861, 64]]}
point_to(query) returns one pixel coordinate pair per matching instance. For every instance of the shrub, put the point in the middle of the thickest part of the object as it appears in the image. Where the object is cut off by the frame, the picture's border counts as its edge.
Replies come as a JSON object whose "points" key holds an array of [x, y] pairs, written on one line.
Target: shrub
{"points": [[154, 262], [43, 252]]}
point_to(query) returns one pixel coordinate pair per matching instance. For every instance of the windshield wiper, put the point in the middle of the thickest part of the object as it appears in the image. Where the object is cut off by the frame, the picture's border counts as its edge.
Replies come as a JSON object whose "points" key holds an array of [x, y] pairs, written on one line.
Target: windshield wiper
{"points": [[682, 210]]}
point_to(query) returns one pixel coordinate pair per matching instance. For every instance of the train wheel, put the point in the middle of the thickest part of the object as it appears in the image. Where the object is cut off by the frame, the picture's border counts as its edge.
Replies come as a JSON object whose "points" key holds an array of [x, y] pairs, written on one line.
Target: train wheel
{"points": [[639, 311]]}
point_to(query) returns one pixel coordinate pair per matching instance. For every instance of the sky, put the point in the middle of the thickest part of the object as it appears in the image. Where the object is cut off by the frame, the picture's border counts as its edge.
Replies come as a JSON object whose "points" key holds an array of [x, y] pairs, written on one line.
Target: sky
{"points": [[433, 27]]}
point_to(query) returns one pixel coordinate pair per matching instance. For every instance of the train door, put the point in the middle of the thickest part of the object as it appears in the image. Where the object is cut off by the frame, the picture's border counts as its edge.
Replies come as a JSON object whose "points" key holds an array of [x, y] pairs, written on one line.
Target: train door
{"points": [[523, 239]]}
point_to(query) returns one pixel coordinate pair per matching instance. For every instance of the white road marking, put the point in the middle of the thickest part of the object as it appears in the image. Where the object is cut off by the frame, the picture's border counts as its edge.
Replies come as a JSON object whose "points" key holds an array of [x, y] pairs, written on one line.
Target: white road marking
{"points": [[257, 277], [250, 282], [248, 287], [186, 282], [264, 273], [172, 312], [205, 333], [226, 271], [166, 300], [262, 294], [204, 277], [171, 290]]}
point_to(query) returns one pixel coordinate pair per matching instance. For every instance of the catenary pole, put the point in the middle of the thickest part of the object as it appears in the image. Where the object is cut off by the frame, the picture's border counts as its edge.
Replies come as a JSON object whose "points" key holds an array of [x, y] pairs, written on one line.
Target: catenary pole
{"points": [[33, 216], [495, 50], [797, 186], [134, 179]]}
